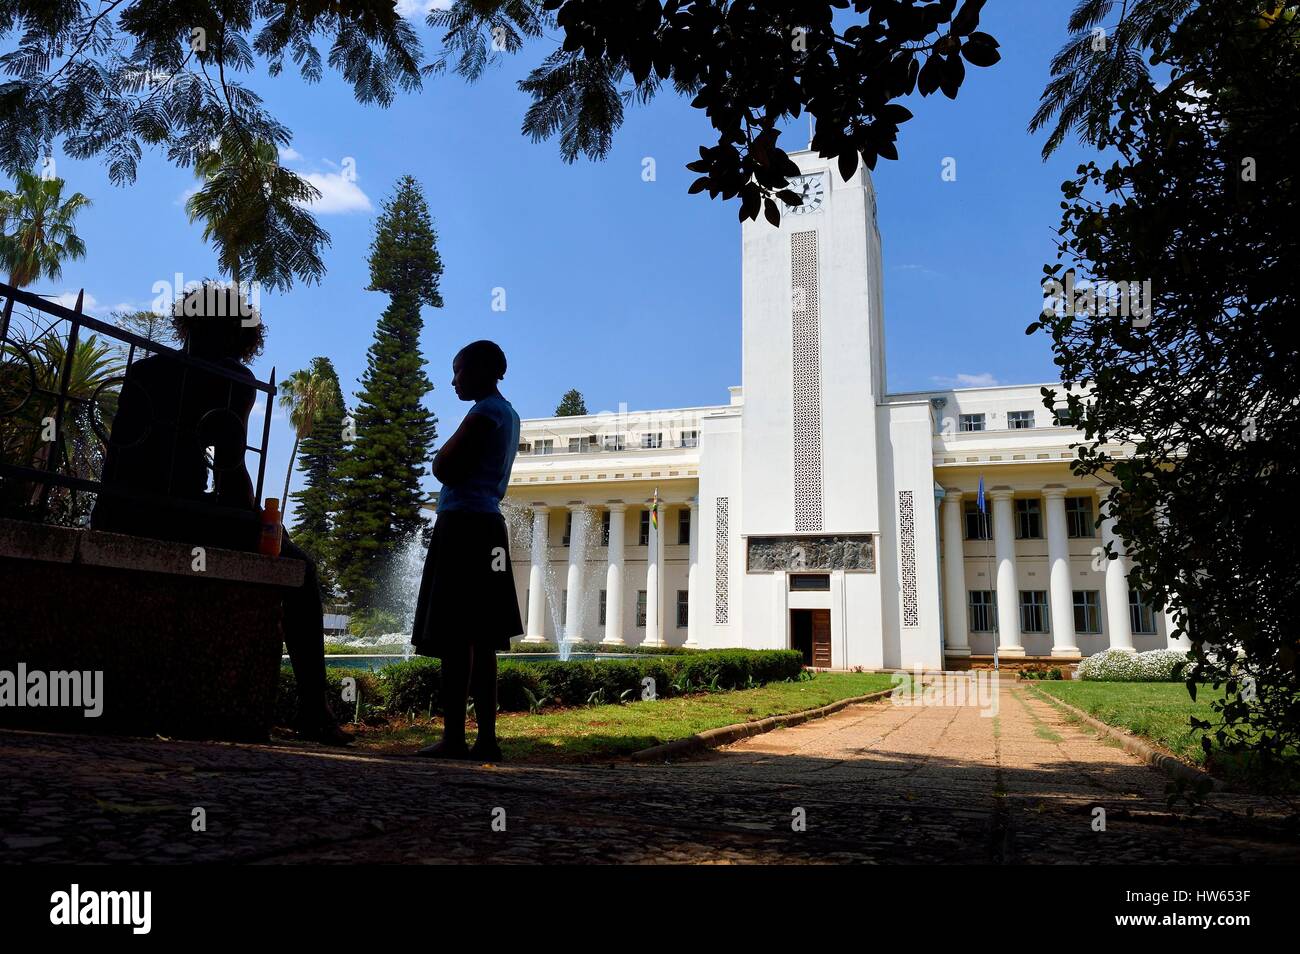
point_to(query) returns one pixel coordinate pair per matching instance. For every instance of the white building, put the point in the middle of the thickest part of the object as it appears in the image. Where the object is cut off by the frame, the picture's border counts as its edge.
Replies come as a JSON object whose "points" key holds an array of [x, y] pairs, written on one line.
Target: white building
{"points": [[815, 509]]}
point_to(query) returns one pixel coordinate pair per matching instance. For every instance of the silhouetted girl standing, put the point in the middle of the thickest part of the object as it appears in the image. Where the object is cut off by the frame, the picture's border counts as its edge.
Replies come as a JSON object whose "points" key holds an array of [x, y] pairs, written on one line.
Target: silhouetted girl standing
{"points": [[467, 609]]}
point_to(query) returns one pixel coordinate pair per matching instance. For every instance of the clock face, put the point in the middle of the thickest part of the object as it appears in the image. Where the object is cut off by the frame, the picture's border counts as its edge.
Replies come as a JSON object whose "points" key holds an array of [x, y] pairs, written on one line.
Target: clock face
{"points": [[811, 189]]}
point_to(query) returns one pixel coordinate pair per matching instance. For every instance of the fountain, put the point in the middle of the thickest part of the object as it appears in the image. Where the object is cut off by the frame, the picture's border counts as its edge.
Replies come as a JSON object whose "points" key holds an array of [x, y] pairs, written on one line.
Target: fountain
{"points": [[401, 588]]}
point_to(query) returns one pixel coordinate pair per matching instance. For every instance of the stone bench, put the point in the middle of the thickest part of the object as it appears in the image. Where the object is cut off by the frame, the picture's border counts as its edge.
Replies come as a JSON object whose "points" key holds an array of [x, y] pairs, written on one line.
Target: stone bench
{"points": [[183, 651]]}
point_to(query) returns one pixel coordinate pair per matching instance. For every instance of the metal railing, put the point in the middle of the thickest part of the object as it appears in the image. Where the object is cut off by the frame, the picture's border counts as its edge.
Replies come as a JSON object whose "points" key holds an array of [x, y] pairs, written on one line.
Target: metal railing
{"points": [[38, 402]]}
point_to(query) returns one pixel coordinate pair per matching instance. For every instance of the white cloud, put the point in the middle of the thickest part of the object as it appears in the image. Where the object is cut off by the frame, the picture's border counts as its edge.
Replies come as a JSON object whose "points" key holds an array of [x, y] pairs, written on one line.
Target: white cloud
{"points": [[68, 299], [983, 380], [339, 193], [413, 9], [289, 154]]}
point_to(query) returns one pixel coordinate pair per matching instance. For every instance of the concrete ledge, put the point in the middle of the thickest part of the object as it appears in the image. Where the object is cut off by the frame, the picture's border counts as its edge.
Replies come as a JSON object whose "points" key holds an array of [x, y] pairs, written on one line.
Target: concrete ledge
{"points": [[177, 651], [723, 735], [1158, 758], [30, 541]]}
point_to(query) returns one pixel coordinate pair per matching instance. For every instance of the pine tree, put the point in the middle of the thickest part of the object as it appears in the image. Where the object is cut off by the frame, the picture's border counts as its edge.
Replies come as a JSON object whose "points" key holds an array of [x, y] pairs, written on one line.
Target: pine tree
{"points": [[320, 458], [395, 433], [572, 404]]}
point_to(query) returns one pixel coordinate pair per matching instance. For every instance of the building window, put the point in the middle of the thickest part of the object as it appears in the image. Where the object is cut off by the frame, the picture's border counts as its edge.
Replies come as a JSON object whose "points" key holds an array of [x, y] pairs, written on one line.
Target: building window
{"points": [[684, 526], [527, 599], [1033, 611], [690, 439], [602, 607], [979, 526], [1061, 417], [544, 447], [604, 528], [970, 422], [1140, 615], [1078, 517], [983, 611], [810, 581], [683, 608], [564, 607], [1029, 518], [568, 529], [1087, 612], [640, 608], [581, 445], [524, 447], [652, 441], [615, 442], [643, 531], [1020, 420]]}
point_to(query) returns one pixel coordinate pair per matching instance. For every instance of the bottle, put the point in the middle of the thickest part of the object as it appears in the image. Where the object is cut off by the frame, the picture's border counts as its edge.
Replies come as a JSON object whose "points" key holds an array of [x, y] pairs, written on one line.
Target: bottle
{"points": [[269, 545]]}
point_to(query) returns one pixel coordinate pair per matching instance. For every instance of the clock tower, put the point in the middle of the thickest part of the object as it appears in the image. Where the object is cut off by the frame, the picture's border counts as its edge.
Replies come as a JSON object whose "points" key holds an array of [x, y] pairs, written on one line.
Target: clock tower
{"points": [[813, 359]]}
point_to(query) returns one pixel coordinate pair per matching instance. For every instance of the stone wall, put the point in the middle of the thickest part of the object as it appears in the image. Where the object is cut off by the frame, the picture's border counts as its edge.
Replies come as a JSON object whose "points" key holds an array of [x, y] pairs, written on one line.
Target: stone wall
{"points": [[183, 652]]}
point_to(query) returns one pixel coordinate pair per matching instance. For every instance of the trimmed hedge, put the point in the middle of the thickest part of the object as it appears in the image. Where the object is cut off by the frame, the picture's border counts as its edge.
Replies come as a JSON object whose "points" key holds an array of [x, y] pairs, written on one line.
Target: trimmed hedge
{"points": [[522, 647], [414, 687]]}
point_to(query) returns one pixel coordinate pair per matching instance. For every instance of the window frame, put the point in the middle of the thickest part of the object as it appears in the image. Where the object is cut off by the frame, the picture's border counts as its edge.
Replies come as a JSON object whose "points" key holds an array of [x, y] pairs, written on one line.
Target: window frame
{"points": [[987, 608], [641, 602], [963, 420], [1086, 607], [683, 608], [1035, 606], [1029, 510], [1074, 511], [971, 510], [1017, 421]]}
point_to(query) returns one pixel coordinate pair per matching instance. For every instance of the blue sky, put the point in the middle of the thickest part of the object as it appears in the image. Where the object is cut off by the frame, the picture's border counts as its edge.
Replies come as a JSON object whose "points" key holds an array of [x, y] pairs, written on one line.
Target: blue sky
{"points": [[625, 289]]}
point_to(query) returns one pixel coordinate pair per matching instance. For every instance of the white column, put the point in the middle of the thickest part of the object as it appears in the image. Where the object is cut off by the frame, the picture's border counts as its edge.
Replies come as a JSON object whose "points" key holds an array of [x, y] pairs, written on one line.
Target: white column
{"points": [[957, 641], [1182, 643], [653, 633], [537, 577], [692, 577], [1008, 589], [1118, 625], [1060, 594], [573, 603], [614, 576]]}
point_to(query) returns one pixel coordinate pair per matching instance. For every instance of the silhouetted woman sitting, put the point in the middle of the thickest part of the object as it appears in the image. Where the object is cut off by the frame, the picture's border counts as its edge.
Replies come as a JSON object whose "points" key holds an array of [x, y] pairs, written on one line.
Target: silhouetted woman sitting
{"points": [[467, 609], [168, 415]]}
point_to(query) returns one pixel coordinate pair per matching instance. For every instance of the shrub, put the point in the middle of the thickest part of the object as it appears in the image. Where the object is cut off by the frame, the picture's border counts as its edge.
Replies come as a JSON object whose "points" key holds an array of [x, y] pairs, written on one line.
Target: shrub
{"points": [[414, 686], [370, 701], [1116, 665]]}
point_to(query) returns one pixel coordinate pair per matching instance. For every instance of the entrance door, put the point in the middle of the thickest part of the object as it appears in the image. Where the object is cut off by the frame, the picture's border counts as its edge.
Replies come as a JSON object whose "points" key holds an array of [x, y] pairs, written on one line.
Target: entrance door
{"points": [[821, 638]]}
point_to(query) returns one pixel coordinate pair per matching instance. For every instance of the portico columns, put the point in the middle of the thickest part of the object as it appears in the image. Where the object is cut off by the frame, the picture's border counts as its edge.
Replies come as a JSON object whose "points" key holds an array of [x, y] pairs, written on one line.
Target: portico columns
{"points": [[537, 577], [614, 576], [1118, 625], [1060, 594], [692, 576], [957, 641], [573, 603], [1004, 544], [653, 634]]}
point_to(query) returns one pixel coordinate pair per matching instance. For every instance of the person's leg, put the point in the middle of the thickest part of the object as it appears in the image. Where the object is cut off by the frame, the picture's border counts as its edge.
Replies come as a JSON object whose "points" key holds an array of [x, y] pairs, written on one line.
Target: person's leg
{"points": [[484, 689], [457, 663], [304, 636]]}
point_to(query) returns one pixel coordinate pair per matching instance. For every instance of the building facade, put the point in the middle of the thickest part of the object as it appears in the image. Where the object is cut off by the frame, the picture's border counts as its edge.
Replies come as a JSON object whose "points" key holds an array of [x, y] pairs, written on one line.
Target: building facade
{"points": [[814, 509]]}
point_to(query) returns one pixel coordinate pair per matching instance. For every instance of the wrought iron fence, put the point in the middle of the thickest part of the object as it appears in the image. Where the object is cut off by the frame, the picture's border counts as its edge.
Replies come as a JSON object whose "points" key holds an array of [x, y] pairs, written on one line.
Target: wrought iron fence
{"points": [[55, 428]]}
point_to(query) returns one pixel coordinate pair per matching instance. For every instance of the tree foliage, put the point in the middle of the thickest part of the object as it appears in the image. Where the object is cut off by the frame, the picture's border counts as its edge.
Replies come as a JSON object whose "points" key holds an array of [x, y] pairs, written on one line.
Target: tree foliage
{"points": [[320, 458], [572, 404], [395, 432], [109, 81], [37, 231], [1191, 412]]}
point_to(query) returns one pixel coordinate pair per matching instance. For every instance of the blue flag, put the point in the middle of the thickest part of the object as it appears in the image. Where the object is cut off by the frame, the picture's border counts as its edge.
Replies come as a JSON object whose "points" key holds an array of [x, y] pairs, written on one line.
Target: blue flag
{"points": [[982, 507]]}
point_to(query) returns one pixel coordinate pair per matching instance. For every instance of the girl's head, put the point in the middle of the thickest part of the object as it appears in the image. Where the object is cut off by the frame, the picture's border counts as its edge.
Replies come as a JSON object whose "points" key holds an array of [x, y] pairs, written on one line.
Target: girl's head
{"points": [[476, 369]]}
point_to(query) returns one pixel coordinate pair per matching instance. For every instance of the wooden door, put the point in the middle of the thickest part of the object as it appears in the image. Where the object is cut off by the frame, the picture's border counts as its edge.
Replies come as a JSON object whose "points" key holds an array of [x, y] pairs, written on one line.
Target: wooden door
{"points": [[821, 639]]}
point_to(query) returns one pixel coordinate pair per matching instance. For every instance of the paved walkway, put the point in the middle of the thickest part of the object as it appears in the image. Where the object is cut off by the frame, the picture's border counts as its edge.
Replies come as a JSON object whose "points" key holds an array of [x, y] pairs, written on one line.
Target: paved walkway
{"points": [[875, 783]]}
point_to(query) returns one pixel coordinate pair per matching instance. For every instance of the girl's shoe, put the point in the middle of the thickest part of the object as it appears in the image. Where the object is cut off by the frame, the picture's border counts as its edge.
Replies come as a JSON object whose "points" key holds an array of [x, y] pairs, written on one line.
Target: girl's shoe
{"points": [[485, 750], [444, 750]]}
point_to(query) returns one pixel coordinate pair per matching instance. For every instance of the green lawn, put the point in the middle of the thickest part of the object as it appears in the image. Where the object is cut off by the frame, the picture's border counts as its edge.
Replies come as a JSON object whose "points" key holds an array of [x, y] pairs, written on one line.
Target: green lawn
{"points": [[596, 732], [1157, 711]]}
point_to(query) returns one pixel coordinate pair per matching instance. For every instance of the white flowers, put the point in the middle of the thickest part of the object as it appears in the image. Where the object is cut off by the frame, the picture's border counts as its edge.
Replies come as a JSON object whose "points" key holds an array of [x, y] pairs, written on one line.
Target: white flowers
{"points": [[1116, 665]]}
